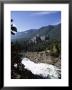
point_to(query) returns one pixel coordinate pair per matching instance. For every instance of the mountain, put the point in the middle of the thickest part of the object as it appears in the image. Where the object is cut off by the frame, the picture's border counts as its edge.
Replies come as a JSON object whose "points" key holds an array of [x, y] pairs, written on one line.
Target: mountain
{"points": [[53, 31]]}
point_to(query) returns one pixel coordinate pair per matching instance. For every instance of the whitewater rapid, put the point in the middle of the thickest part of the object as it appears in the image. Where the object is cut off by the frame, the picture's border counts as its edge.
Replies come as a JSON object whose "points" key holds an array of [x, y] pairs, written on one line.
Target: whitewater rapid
{"points": [[42, 69]]}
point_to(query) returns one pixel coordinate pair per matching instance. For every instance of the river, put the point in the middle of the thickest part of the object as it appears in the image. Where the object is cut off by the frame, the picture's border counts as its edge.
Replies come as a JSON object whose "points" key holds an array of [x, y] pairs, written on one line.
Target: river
{"points": [[41, 69]]}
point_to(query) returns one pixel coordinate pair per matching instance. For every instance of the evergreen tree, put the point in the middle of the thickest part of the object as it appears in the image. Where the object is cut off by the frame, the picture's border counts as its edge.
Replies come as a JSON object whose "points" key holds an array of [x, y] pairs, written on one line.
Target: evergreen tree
{"points": [[13, 28]]}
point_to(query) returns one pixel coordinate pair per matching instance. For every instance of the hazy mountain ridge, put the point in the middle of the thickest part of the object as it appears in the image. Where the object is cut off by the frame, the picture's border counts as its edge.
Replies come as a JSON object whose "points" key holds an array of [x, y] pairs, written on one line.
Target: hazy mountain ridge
{"points": [[53, 31]]}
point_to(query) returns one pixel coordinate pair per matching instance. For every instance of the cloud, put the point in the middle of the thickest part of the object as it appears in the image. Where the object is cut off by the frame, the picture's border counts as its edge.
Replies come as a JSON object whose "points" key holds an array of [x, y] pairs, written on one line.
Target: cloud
{"points": [[44, 12]]}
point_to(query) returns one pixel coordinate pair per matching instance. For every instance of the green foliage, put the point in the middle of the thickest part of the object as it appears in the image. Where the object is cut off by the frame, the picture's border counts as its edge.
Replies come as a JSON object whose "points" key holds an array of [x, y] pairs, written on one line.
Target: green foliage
{"points": [[55, 48], [38, 39]]}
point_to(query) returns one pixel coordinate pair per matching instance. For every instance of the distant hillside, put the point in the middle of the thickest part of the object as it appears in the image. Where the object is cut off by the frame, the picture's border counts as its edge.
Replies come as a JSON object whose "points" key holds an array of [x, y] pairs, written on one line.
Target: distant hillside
{"points": [[53, 31]]}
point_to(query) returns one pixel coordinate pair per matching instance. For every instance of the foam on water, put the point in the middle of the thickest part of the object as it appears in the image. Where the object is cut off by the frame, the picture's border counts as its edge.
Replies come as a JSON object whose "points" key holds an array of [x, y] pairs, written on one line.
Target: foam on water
{"points": [[45, 70]]}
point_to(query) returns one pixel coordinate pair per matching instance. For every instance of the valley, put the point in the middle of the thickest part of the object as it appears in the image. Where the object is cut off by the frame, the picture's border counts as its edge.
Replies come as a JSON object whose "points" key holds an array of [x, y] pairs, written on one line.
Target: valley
{"points": [[36, 47]]}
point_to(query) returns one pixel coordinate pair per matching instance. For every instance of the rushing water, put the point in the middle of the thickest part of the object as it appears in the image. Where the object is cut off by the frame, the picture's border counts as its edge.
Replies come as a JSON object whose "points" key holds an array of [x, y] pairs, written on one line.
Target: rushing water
{"points": [[42, 69]]}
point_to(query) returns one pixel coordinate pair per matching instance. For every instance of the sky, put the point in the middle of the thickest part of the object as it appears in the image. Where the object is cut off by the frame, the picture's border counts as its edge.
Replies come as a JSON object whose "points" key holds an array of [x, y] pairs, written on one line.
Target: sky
{"points": [[25, 20]]}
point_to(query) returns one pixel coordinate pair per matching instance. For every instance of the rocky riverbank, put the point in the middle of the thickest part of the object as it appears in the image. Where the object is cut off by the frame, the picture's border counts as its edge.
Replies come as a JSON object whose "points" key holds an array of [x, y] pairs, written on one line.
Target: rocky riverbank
{"points": [[43, 57], [32, 65]]}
